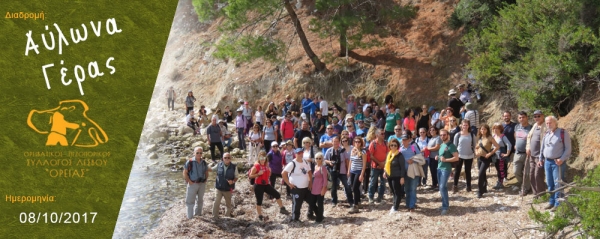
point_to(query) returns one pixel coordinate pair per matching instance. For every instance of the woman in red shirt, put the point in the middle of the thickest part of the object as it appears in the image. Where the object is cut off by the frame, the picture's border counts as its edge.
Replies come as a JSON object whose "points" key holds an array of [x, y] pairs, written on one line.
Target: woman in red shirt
{"points": [[409, 122], [260, 173]]}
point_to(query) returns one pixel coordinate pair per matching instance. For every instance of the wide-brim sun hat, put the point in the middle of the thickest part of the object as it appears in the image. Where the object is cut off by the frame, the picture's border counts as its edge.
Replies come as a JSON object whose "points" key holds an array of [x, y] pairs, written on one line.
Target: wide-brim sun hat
{"points": [[451, 92]]}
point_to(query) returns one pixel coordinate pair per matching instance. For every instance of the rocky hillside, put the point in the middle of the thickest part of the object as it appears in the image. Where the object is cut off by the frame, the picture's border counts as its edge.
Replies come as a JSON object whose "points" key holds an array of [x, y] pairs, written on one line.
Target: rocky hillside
{"points": [[417, 65]]}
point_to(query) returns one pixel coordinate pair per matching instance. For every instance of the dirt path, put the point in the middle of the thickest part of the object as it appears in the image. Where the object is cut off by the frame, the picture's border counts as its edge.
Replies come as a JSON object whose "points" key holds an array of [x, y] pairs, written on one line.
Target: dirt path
{"points": [[496, 215]]}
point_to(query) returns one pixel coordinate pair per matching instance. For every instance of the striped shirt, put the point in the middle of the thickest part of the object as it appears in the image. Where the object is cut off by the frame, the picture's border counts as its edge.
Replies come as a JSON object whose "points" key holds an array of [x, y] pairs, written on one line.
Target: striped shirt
{"points": [[356, 162]]}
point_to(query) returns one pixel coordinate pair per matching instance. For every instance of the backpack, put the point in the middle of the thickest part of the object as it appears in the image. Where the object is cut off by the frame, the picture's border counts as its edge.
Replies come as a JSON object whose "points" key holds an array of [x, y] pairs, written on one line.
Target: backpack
{"points": [[294, 167], [425, 151], [412, 146], [252, 180]]}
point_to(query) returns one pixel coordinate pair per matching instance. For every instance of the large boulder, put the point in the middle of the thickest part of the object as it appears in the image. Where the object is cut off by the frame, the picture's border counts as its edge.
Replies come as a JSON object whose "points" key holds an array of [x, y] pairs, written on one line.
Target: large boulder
{"points": [[185, 130], [186, 152], [153, 155], [151, 148], [186, 143], [234, 142], [158, 134], [197, 144]]}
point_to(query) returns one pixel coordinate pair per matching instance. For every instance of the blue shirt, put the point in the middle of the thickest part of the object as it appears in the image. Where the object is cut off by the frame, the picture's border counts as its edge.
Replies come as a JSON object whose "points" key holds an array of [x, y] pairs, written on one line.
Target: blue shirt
{"points": [[305, 103], [325, 138], [408, 152], [310, 107]]}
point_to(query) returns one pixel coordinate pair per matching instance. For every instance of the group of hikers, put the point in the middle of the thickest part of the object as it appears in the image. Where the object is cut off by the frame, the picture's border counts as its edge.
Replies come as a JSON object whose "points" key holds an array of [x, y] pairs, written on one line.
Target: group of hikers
{"points": [[367, 146]]}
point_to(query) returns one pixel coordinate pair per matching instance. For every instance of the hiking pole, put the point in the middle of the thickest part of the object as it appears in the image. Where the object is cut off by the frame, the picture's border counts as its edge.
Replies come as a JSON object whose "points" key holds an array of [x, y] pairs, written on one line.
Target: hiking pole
{"points": [[560, 182]]}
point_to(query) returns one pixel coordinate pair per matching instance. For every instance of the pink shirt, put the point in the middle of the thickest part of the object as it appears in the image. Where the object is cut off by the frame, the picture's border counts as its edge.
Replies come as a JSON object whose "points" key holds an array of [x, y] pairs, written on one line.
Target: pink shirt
{"points": [[319, 180], [409, 123]]}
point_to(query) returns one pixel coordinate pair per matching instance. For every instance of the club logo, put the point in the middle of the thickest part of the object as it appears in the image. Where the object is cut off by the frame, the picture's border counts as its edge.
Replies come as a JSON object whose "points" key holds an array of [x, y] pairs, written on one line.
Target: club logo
{"points": [[64, 125]]}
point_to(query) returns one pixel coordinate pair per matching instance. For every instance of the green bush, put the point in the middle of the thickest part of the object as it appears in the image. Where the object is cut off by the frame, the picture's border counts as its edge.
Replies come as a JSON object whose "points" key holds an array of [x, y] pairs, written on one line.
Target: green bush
{"points": [[542, 51], [474, 12], [581, 211]]}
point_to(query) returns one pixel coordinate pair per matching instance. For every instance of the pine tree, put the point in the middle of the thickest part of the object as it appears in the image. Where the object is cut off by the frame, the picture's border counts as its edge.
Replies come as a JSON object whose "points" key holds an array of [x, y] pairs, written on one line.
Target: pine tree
{"points": [[250, 29], [351, 21]]}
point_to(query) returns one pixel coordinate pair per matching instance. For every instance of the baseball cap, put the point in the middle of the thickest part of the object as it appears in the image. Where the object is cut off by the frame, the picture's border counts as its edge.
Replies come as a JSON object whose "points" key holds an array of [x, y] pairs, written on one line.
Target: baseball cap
{"points": [[303, 115], [431, 108], [274, 144], [538, 112], [404, 136]]}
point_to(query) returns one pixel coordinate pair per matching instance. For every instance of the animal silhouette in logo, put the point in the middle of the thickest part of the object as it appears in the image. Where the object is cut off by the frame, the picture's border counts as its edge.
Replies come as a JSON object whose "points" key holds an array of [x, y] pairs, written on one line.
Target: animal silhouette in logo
{"points": [[67, 125]]}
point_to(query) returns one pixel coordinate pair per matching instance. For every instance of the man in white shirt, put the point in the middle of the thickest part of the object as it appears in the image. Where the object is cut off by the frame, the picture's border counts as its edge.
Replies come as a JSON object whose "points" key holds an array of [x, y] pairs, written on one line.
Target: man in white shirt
{"points": [[323, 106], [298, 176]]}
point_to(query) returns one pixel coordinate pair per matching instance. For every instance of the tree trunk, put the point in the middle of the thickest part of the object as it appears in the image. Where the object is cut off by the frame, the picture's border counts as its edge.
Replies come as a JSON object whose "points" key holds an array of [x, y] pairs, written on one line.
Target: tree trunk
{"points": [[343, 33], [320, 66]]}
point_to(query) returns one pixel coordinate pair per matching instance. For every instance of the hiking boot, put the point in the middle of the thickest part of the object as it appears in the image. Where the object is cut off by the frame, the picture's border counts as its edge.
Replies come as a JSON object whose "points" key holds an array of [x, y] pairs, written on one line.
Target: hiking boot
{"points": [[354, 209], [311, 217], [454, 189], [468, 188], [553, 209], [379, 199], [479, 195], [498, 186], [284, 211], [261, 218], [371, 201], [444, 212], [549, 206]]}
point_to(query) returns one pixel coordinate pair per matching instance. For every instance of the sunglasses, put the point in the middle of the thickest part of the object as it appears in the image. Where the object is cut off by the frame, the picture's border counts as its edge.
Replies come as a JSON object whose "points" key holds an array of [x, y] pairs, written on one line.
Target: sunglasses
{"points": [[275, 146], [452, 120], [397, 129], [344, 141], [329, 128], [226, 157], [393, 145], [306, 143], [319, 158], [198, 152], [537, 116], [422, 132], [349, 126]]}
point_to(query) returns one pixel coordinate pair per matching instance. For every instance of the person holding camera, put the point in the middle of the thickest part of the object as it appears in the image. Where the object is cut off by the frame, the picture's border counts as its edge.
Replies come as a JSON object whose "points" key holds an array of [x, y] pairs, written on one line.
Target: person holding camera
{"points": [[261, 172], [195, 173], [337, 162]]}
